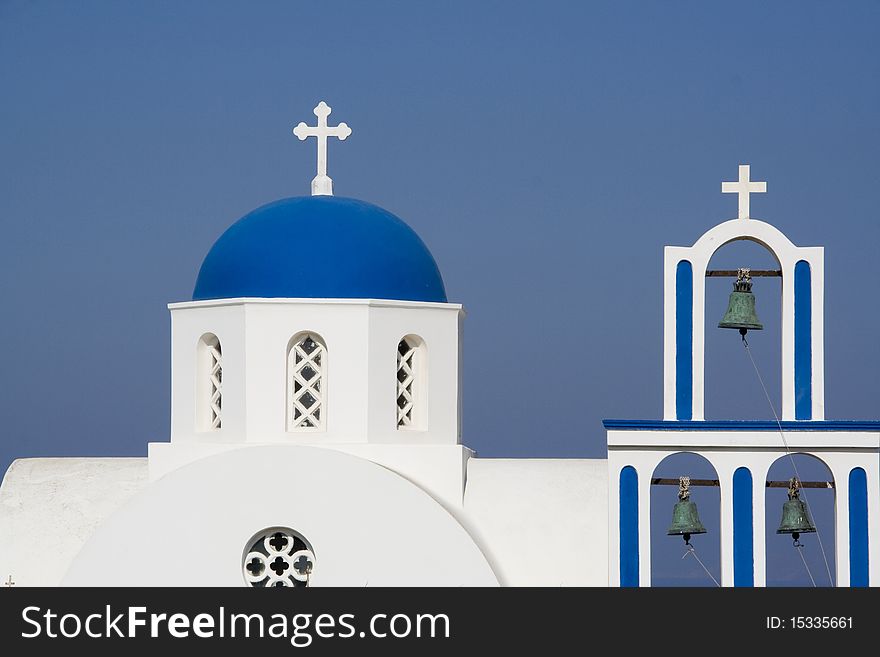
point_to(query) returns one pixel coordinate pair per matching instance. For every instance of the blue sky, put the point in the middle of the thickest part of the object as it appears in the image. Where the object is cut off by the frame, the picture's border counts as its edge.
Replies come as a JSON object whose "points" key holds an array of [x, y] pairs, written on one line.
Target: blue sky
{"points": [[545, 152]]}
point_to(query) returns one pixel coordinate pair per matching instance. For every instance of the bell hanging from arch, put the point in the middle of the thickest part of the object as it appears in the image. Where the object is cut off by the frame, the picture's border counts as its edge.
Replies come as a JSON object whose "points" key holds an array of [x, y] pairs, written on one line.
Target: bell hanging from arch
{"points": [[795, 514], [685, 519], [741, 306]]}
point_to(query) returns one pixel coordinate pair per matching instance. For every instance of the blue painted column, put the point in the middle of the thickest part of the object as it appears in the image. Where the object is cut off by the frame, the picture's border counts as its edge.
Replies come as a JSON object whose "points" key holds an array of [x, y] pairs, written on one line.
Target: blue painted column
{"points": [[684, 340], [803, 347], [858, 528], [629, 527], [743, 529]]}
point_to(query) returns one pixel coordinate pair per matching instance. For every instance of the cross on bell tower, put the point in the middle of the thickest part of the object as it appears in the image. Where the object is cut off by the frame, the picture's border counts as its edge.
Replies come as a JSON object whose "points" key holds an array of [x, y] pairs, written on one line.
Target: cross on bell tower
{"points": [[743, 187], [322, 184]]}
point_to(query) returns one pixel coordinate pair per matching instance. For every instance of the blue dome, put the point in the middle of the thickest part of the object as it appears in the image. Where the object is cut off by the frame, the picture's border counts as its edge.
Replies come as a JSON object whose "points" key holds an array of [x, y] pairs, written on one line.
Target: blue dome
{"points": [[320, 247]]}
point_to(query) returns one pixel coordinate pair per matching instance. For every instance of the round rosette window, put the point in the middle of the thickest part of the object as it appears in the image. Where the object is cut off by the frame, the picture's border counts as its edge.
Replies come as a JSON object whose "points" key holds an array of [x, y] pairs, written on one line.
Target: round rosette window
{"points": [[278, 557]]}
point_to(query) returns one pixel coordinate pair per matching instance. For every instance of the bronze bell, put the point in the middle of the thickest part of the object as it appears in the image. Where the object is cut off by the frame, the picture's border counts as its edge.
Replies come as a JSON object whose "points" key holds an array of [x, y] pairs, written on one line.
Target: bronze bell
{"points": [[795, 514], [685, 519], [741, 306]]}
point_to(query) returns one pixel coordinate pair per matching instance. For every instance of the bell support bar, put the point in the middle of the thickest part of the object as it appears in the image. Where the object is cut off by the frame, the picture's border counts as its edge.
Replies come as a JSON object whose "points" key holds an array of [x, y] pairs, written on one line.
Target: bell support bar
{"points": [[657, 481], [732, 273]]}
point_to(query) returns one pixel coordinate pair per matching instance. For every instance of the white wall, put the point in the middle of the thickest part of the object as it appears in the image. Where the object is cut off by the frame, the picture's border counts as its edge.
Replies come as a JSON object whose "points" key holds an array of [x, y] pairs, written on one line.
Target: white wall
{"points": [[841, 451], [50, 507], [228, 324], [540, 522], [361, 338], [367, 525], [360, 385], [439, 470], [438, 327], [516, 513]]}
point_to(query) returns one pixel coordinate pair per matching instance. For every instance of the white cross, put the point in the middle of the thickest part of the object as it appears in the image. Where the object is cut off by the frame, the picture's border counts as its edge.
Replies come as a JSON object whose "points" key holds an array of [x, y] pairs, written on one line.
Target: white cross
{"points": [[743, 187], [322, 185], [9, 581]]}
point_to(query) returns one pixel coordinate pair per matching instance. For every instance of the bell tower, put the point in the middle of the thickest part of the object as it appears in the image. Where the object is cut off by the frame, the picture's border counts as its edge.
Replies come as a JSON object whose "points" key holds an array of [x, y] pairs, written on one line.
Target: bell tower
{"points": [[742, 452], [684, 314]]}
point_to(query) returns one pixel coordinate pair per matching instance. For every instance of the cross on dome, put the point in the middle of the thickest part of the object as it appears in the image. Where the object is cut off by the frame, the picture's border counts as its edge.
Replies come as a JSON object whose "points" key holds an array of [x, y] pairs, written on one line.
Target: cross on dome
{"points": [[322, 184], [744, 186]]}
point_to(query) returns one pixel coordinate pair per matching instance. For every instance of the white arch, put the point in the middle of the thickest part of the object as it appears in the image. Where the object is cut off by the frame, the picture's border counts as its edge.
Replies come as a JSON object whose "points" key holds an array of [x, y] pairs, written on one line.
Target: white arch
{"points": [[787, 254], [839, 451], [354, 527], [768, 236], [658, 531], [833, 540]]}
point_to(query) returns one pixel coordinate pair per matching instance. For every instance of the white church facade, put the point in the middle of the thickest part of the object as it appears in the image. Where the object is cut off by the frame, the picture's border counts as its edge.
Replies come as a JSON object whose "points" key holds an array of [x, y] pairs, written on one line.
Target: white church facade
{"points": [[316, 432]]}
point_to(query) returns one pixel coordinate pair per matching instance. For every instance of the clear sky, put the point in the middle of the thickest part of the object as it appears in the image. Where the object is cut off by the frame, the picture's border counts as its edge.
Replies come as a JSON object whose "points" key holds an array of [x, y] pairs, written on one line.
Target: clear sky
{"points": [[545, 152]]}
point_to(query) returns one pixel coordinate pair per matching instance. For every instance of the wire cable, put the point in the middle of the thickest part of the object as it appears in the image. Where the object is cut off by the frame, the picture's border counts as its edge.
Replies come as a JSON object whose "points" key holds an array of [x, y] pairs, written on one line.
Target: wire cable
{"points": [[691, 550], [800, 551], [791, 458]]}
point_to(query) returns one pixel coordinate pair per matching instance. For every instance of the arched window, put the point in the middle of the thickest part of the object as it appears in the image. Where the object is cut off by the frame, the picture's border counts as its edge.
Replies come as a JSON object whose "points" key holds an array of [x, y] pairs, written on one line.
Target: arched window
{"points": [[411, 383], [306, 383], [209, 383]]}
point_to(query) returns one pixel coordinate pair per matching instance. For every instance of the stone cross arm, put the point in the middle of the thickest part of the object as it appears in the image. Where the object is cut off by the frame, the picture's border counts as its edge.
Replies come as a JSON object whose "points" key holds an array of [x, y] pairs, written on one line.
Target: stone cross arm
{"points": [[743, 188], [322, 183]]}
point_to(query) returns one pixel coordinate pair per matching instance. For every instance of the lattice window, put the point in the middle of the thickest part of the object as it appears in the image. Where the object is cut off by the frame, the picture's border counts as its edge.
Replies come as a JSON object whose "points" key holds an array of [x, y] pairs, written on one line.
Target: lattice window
{"points": [[407, 383], [216, 379], [307, 383], [209, 384], [278, 557]]}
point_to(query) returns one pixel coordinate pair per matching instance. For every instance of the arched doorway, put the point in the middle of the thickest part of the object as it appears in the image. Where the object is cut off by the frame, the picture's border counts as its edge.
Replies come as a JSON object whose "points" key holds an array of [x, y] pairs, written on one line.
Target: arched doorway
{"points": [[785, 567], [733, 391], [668, 568]]}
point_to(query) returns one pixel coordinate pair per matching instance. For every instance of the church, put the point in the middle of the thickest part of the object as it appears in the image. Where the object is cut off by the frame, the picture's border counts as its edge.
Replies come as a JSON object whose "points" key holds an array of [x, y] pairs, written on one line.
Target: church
{"points": [[316, 434]]}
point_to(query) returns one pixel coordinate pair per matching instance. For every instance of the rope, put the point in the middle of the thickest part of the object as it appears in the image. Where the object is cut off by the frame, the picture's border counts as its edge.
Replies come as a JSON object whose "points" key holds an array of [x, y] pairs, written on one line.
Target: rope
{"points": [[800, 551], [693, 552], [793, 464]]}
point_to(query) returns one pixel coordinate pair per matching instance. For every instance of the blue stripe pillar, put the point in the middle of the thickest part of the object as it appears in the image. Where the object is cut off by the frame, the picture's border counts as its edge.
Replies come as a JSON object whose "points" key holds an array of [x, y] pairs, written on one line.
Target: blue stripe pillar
{"points": [[743, 529], [858, 528], [803, 349], [684, 340], [629, 527]]}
